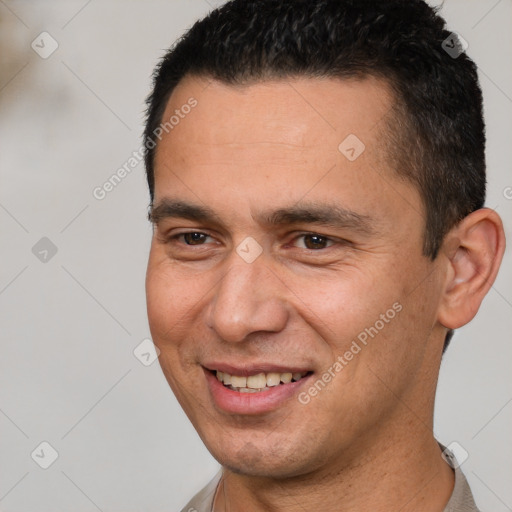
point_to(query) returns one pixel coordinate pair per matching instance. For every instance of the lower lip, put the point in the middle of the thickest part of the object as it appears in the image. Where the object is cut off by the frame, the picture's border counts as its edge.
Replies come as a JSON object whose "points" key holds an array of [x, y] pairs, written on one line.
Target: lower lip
{"points": [[251, 403]]}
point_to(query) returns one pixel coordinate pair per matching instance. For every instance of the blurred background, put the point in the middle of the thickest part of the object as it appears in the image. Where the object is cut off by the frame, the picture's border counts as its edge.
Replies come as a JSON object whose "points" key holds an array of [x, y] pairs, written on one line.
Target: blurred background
{"points": [[87, 420]]}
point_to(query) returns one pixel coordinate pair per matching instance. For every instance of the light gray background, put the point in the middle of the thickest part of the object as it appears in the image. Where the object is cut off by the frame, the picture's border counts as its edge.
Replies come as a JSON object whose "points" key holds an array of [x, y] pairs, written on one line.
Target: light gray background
{"points": [[68, 374]]}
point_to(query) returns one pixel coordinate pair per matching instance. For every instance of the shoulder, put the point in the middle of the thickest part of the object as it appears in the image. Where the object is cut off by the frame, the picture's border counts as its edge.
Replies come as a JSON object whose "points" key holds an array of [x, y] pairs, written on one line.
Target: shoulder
{"points": [[461, 499], [203, 500]]}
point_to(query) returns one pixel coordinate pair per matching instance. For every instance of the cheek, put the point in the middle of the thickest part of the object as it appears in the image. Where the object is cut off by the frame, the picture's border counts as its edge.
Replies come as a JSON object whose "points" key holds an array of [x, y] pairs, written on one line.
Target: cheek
{"points": [[170, 296], [160, 300], [168, 303], [343, 306], [374, 322], [176, 299], [170, 306], [396, 335]]}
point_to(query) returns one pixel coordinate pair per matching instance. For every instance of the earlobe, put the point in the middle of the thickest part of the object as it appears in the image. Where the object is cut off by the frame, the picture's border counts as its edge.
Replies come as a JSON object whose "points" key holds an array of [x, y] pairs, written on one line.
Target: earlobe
{"points": [[473, 251]]}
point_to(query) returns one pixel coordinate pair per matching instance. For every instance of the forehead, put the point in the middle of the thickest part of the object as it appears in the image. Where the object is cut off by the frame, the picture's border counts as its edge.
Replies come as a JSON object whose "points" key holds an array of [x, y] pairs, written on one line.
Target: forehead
{"points": [[241, 146], [300, 111], [279, 123]]}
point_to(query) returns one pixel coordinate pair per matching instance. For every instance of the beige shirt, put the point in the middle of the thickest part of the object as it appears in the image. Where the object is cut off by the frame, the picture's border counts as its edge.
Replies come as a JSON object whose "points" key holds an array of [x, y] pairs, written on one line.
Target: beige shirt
{"points": [[461, 499]]}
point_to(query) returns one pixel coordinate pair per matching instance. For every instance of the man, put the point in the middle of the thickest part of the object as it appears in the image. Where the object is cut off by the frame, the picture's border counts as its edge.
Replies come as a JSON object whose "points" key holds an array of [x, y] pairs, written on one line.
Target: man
{"points": [[317, 180]]}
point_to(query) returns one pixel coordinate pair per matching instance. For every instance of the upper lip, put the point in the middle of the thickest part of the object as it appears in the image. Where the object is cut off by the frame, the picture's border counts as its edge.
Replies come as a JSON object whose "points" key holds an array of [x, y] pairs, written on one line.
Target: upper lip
{"points": [[247, 370]]}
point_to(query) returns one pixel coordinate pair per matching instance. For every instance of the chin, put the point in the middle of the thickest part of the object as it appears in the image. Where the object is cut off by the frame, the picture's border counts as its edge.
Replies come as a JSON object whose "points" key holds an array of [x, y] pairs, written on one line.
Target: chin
{"points": [[267, 461]]}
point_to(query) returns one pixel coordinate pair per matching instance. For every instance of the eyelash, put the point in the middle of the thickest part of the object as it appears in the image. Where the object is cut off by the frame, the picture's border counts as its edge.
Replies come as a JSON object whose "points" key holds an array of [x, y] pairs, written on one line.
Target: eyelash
{"points": [[174, 238]]}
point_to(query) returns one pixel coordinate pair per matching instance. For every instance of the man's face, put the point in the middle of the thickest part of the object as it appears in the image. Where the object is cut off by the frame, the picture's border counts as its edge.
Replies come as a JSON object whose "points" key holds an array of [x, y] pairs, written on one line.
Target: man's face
{"points": [[273, 282]]}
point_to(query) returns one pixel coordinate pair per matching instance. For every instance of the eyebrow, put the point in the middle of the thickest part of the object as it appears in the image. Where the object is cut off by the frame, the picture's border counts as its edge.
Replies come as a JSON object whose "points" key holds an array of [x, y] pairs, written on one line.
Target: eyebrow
{"points": [[328, 215]]}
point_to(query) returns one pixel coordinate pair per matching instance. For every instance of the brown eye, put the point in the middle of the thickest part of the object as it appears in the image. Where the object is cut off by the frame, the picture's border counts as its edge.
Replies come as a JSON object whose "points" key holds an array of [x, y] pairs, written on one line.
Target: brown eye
{"points": [[314, 241], [194, 238]]}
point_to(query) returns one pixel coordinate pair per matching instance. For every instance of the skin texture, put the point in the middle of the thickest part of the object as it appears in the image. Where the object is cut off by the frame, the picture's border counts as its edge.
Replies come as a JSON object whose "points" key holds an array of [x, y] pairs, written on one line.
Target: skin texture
{"points": [[365, 441]]}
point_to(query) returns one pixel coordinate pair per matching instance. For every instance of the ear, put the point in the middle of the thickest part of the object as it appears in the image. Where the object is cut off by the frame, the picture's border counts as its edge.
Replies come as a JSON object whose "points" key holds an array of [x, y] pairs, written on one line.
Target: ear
{"points": [[473, 250]]}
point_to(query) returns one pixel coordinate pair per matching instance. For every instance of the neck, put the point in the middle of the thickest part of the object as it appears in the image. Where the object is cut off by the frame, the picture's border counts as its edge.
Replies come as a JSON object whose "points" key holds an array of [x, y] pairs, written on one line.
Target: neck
{"points": [[406, 473]]}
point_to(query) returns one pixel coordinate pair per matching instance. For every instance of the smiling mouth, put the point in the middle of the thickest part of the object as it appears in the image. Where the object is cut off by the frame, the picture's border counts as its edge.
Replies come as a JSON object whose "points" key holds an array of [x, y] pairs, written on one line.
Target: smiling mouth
{"points": [[257, 383]]}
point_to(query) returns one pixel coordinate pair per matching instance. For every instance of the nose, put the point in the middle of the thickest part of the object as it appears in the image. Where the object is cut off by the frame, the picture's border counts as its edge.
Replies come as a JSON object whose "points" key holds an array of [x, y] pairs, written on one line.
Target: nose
{"points": [[249, 298]]}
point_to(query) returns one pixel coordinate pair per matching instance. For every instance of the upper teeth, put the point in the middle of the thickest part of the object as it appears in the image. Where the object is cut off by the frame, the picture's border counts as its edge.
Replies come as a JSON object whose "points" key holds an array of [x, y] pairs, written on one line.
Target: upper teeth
{"points": [[259, 380]]}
